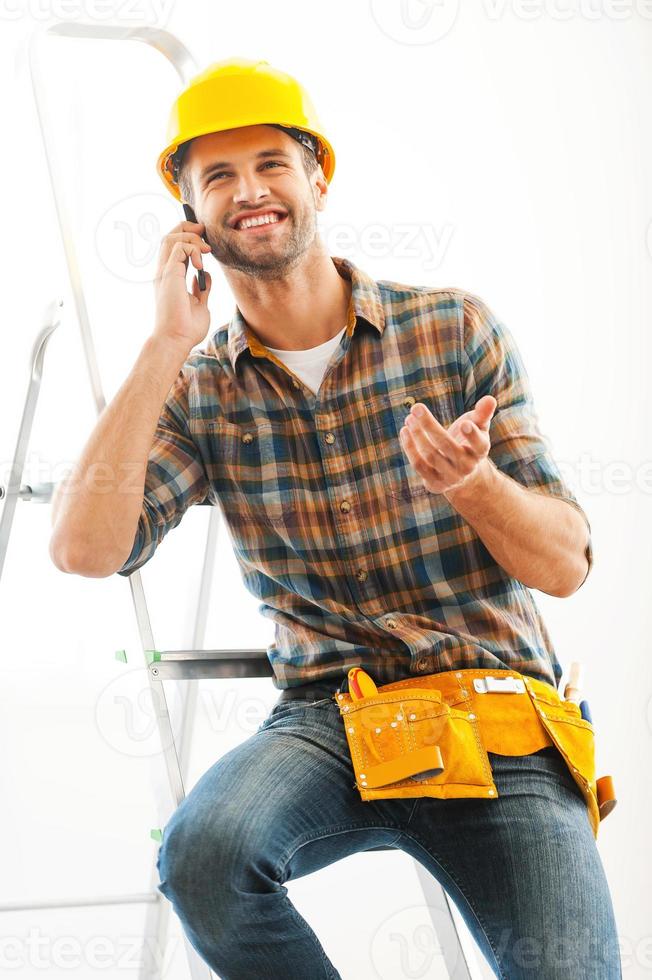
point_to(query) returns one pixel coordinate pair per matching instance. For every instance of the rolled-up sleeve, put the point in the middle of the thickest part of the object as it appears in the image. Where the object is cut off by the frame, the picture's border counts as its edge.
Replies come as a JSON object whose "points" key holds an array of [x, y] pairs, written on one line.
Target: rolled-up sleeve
{"points": [[491, 364], [175, 478]]}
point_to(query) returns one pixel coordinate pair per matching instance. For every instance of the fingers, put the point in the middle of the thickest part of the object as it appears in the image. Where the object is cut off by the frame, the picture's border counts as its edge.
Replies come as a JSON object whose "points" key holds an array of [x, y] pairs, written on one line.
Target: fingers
{"points": [[426, 425], [487, 404], [177, 262], [187, 236], [433, 476], [431, 438], [422, 452], [168, 243], [484, 410], [447, 442], [196, 226], [475, 438]]}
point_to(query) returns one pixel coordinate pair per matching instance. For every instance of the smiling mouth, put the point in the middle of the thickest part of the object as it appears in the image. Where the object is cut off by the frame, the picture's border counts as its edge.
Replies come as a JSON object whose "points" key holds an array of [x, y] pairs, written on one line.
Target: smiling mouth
{"points": [[278, 219]]}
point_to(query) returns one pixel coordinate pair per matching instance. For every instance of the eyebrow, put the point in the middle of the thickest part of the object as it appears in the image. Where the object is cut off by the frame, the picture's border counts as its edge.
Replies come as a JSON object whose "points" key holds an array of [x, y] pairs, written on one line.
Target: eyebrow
{"points": [[212, 167]]}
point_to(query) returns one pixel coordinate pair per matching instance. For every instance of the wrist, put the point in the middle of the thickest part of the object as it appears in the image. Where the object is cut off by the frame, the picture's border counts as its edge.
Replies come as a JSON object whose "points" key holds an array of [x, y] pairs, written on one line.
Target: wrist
{"points": [[476, 486], [176, 348]]}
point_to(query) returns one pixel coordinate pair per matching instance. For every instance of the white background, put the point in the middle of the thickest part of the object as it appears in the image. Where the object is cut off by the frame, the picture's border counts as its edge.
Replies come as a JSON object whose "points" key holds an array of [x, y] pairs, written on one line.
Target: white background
{"points": [[505, 149]]}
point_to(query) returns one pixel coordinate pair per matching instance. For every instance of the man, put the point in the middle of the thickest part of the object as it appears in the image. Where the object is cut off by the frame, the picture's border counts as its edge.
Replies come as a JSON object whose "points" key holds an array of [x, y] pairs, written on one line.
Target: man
{"points": [[375, 452]]}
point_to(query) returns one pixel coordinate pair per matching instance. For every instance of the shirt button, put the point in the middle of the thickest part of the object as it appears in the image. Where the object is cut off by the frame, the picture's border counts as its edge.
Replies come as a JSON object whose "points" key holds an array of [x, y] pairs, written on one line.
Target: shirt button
{"points": [[392, 624], [361, 575], [424, 663], [409, 401], [345, 506], [330, 438], [247, 438]]}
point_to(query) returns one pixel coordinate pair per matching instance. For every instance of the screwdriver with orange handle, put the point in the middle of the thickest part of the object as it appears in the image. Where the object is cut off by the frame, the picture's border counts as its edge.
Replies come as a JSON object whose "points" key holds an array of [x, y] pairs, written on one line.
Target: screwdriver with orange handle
{"points": [[360, 684]]}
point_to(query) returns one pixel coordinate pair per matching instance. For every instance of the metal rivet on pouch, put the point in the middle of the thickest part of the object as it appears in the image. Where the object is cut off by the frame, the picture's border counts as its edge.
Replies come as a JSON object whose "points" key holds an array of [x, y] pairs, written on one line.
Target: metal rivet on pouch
{"points": [[393, 724], [363, 775], [471, 716], [399, 717], [345, 708], [575, 770], [491, 792], [458, 675], [351, 729], [542, 713], [363, 782], [378, 730], [412, 717]]}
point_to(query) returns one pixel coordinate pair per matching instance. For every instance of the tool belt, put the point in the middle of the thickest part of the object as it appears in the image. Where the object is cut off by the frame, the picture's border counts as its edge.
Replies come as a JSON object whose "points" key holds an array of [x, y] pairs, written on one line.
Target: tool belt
{"points": [[430, 735]]}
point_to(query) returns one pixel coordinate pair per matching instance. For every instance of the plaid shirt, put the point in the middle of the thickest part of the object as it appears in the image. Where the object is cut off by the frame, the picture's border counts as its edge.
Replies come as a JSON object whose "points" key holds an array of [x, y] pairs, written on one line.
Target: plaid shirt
{"points": [[352, 558]]}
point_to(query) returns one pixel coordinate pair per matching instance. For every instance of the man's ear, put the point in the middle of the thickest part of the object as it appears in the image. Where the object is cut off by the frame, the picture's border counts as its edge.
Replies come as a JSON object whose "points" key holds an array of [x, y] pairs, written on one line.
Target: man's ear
{"points": [[319, 189]]}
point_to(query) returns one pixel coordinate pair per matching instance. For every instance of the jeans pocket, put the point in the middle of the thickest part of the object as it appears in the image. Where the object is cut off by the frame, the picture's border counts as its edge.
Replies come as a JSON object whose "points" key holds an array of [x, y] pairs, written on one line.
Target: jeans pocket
{"points": [[282, 710]]}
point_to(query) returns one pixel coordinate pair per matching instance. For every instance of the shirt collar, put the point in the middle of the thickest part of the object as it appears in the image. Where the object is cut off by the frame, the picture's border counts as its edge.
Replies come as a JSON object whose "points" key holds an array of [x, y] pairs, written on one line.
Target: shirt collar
{"points": [[366, 303]]}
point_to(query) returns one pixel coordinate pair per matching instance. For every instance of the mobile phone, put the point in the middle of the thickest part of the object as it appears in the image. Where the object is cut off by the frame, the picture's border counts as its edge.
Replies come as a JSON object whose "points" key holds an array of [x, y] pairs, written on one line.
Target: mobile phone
{"points": [[190, 216]]}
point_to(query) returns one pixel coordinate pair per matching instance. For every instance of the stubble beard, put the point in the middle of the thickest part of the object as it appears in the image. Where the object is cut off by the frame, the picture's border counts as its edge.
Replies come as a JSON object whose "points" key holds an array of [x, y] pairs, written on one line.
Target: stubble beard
{"points": [[259, 262]]}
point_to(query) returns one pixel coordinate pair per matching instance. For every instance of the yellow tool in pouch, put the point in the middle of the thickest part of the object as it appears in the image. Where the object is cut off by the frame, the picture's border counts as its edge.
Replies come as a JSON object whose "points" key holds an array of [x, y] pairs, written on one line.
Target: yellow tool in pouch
{"points": [[430, 736]]}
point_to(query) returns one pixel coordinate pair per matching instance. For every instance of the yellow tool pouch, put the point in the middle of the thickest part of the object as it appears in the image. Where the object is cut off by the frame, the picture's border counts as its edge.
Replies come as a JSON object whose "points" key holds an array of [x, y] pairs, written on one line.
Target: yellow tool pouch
{"points": [[429, 736]]}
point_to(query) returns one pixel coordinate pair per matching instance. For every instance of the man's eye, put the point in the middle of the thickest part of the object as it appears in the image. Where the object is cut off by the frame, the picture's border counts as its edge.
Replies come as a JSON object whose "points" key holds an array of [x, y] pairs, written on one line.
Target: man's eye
{"points": [[220, 173]]}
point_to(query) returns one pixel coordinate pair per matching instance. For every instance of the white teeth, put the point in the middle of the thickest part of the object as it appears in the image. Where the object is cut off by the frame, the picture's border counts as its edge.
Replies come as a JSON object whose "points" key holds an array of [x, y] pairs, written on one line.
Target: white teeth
{"points": [[265, 219]]}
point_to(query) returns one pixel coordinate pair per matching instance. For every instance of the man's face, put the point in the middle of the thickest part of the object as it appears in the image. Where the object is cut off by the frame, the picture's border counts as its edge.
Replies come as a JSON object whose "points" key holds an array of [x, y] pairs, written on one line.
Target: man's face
{"points": [[235, 174]]}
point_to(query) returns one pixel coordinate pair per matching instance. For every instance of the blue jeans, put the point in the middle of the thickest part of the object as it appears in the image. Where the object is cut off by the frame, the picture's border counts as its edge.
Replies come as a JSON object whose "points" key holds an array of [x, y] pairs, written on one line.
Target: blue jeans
{"points": [[523, 869]]}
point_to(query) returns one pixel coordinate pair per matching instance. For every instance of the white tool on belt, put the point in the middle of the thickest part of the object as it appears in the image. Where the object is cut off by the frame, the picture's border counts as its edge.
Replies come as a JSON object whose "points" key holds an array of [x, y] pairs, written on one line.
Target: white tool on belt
{"points": [[499, 685]]}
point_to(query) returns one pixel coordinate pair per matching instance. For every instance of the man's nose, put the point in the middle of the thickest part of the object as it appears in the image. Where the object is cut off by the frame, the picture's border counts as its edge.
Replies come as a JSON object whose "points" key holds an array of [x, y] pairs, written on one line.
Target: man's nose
{"points": [[250, 188]]}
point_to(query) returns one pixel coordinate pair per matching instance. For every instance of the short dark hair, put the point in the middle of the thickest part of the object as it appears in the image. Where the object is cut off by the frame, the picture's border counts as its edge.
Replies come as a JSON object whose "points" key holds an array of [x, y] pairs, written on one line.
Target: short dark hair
{"points": [[308, 158]]}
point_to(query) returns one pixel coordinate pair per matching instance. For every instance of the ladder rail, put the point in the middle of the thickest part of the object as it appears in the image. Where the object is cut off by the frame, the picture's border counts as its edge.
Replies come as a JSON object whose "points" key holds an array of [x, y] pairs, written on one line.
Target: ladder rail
{"points": [[14, 490]]}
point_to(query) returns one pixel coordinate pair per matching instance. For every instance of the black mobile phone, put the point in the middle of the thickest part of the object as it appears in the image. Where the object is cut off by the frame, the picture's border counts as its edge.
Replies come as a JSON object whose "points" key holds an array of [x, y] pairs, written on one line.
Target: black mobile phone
{"points": [[190, 216]]}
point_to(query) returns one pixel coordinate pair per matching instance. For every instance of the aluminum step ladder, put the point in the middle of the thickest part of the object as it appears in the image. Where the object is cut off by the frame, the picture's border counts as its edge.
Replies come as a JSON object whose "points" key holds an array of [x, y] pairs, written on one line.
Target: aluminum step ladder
{"points": [[189, 666]]}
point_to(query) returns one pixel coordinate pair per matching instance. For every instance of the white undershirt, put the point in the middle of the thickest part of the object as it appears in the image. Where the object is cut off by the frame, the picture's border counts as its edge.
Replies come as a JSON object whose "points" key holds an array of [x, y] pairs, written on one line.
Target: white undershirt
{"points": [[310, 365]]}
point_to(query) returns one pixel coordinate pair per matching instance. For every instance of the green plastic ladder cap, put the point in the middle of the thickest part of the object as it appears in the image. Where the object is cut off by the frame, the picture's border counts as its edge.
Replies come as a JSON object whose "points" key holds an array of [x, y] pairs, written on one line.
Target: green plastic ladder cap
{"points": [[156, 834], [121, 655], [152, 656]]}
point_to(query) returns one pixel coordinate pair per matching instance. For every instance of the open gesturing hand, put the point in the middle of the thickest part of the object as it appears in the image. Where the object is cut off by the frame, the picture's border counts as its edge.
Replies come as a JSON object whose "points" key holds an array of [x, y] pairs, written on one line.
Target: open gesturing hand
{"points": [[447, 459]]}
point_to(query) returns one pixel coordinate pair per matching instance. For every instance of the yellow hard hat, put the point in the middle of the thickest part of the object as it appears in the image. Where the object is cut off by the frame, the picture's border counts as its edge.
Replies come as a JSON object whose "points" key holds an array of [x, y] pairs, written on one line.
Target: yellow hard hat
{"points": [[240, 92]]}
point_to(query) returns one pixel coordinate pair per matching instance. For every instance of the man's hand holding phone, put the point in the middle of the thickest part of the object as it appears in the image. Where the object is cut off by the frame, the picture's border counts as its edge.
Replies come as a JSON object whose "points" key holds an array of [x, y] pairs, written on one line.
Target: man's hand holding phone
{"points": [[181, 317]]}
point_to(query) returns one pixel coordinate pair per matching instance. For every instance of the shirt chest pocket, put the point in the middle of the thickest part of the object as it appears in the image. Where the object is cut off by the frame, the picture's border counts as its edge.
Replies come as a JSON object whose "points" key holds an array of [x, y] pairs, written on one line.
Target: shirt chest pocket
{"points": [[385, 416], [252, 471]]}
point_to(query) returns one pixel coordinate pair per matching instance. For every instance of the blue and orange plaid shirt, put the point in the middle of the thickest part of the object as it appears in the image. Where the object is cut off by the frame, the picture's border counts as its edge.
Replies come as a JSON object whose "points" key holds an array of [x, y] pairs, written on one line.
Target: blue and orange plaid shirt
{"points": [[354, 560]]}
